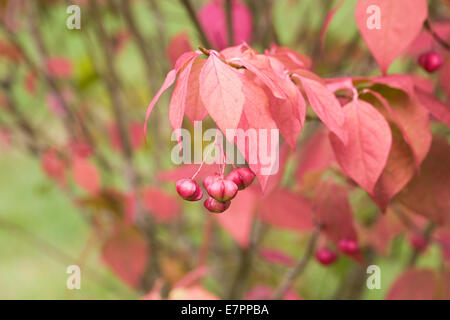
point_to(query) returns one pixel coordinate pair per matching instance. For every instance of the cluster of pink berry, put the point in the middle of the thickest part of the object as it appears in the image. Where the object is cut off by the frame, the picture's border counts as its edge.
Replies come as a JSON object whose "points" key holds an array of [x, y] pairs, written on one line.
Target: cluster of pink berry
{"points": [[220, 190], [327, 256], [431, 61]]}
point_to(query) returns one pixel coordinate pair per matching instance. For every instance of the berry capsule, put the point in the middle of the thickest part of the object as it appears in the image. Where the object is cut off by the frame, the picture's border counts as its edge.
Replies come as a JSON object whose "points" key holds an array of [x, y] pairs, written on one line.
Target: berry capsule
{"points": [[431, 61], [242, 177], [222, 190], [189, 190], [325, 256], [216, 206]]}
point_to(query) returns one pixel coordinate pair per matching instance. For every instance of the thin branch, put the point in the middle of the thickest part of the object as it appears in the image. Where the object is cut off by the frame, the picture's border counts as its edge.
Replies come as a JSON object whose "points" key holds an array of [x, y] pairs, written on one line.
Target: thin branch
{"points": [[193, 16], [298, 269], [229, 16], [436, 37], [426, 233]]}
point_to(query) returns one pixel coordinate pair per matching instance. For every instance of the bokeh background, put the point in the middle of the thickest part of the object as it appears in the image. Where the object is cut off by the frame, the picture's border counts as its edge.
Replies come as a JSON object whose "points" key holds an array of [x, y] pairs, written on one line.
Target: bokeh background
{"points": [[66, 94]]}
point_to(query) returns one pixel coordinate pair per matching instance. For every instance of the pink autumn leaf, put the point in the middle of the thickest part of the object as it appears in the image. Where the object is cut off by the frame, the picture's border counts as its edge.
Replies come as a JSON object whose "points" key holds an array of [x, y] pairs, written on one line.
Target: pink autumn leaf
{"points": [[126, 252], [221, 91], [329, 17], [291, 59], [59, 67], [178, 45], [316, 155], [365, 154], [436, 107], [428, 193], [409, 116], [325, 105], [212, 18], [238, 219], [287, 210], [168, 81], [164, 206], [414, 284], [54, 166], [178, 101], [396, 29], [194, 108], [333, 212], [86, 175]]}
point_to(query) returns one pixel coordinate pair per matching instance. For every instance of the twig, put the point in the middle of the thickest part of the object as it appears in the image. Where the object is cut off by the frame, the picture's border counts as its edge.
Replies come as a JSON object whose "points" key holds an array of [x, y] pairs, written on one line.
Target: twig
{"points": [[428, 230], [229, 16], [193, 16], [296, 270], [436, 37], [240, 280]]}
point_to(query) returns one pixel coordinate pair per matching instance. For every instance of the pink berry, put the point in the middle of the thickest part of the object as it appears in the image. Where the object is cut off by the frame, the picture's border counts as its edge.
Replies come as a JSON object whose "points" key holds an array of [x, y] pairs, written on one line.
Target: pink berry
{"points": [[418, 242], [222, 190], [216, 206], [348, 246], [431, 61], [242, 177], [325, 256], [210, 179], [189, 190]]}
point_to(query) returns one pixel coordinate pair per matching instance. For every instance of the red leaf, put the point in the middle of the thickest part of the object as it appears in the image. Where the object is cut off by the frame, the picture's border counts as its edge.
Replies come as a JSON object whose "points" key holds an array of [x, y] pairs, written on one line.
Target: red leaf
{"points": [[316, 155], [414, 284], [435, 106], [54, 166], [369, 141], [399, 170], [289, 58], [325, 105], [127, 253], [255, 140], [428, 193], [86, 175], [170, 79], [400, 23], [333, 212], [163, 205], [178, 100], [178, 45], [221, 92], [194, 108], [238, 219], [59, 67], [287, 210], [327, 21], [213, 20], [405, 110], [134, 134]]}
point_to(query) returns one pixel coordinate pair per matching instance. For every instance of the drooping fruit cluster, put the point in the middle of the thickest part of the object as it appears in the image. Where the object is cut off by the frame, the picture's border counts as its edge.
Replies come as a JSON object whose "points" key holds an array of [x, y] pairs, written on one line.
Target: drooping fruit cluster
{"points": [[220, 190], [431, 61]]}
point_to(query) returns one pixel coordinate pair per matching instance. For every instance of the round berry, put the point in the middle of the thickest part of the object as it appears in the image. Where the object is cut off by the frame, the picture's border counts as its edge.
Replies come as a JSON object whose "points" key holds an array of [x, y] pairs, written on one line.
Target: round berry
{"points": [[431, 61], [242, 177], [325, 256], [222, 190], [348, 246], [189, 190], [216, 206], [418, 242]]}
